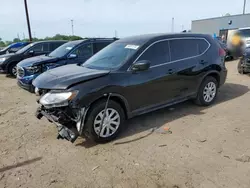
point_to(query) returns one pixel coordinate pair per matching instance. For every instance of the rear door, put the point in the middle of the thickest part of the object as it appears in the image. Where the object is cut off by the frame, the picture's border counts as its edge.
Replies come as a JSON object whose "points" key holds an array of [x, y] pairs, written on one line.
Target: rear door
{"points": [[189, 58], [82, 52]]}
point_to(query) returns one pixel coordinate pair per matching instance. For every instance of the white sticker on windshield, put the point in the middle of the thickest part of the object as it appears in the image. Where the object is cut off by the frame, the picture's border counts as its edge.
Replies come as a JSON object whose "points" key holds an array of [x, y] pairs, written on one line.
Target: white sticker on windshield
{"points": [[68, 48], [131, 46]]}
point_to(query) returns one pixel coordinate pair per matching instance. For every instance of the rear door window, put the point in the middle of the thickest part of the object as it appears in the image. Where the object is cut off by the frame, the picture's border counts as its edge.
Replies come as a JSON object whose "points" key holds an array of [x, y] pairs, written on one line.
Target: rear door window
{"points": [[157, 54], [100, 45], [187, 48], [203, 45]]}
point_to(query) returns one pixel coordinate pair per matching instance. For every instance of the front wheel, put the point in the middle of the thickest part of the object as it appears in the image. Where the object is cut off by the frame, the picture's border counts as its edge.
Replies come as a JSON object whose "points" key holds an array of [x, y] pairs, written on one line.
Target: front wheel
{"points": [[12, 70], [207, 92], [112, 123]]}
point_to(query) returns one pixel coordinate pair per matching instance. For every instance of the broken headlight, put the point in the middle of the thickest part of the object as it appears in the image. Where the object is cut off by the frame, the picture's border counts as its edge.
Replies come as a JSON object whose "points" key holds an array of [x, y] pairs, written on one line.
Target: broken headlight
{"points": [[57, 99]]}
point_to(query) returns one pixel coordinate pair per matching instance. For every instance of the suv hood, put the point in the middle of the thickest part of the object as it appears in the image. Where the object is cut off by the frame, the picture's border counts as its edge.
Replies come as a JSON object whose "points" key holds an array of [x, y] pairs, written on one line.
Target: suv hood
{"points": [[65, 76], [38, 60]]}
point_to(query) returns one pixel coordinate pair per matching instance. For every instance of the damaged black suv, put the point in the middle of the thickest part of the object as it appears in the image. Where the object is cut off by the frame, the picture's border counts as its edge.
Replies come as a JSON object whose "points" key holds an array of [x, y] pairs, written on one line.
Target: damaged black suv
{"points": [[130, 77]]}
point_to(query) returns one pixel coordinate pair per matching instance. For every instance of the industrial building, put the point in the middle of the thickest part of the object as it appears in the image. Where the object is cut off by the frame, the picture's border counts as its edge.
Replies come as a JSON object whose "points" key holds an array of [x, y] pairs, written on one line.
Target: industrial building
{"points": [[221, 25]]}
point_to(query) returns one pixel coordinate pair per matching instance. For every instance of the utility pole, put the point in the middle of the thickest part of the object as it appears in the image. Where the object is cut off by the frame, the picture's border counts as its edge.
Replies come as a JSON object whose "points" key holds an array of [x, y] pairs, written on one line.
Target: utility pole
{"points": [[72, 25], [172, 30], [115, 34], [244, 6], [28, 20], [18, 36]]}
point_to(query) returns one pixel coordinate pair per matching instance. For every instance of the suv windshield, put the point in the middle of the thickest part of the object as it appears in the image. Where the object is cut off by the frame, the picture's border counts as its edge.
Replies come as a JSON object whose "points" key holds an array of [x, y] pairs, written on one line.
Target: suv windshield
{"points": [[63, 49], [112, 56], [24, 48], [244, 32]]}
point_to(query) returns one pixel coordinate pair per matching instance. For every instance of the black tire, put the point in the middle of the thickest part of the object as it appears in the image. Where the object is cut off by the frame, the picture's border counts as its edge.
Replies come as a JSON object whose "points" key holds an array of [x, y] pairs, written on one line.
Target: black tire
{"points": [[240, 68], [97, 108], [200, 99], [10, 70]]}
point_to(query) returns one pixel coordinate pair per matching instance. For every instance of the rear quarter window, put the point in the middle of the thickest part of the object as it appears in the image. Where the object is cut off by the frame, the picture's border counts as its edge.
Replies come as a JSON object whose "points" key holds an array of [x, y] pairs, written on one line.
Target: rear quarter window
{"points": [[187, 48]]}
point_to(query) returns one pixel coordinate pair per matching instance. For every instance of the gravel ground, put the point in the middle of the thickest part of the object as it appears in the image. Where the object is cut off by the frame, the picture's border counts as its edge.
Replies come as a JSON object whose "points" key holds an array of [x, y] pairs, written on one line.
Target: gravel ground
{"points": [[208, 147]]}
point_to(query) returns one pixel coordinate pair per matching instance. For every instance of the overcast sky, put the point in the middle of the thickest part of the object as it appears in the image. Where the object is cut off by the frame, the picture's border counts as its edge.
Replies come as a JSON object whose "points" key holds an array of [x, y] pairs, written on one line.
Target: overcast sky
{"points": [[100, 18]]}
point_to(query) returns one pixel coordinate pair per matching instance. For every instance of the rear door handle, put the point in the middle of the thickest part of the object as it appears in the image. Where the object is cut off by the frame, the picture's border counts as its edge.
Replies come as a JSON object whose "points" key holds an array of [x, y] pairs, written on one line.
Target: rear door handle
{"points": [[171, 71], [203, 62]]}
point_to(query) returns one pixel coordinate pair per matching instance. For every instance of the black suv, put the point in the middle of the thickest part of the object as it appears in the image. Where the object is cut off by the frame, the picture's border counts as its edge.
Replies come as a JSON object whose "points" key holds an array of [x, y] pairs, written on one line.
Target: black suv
{"points": [[9, 61], [72, 52], [130, 77]]}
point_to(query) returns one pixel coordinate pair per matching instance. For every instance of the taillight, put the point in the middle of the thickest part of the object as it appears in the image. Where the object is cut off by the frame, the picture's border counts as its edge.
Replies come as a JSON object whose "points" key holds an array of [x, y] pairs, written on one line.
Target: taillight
{"points": [[222, 52]]}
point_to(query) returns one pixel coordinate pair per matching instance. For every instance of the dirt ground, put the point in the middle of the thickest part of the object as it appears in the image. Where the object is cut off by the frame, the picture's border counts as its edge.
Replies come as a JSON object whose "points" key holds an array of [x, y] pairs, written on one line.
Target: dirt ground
{"points": [[208, 147]]}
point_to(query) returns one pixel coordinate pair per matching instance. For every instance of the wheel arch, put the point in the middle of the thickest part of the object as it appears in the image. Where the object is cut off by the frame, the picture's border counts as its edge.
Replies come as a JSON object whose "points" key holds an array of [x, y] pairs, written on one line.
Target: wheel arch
{"points": [[213, 73], [121, 100], [10, 64]]}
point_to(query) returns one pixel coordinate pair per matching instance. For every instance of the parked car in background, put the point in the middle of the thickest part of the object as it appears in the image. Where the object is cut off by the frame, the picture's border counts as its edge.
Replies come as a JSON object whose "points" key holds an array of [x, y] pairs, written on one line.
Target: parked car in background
{"points": [[244, 62], [12, 48], [229, 55], [73, 52], [8, 62], [130, 77]]}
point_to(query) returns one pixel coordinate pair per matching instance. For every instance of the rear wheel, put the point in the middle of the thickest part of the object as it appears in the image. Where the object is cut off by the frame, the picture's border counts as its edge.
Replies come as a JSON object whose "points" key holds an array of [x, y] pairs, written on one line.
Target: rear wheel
{"points": [[12, 70], [112, 124], [207, 92]]}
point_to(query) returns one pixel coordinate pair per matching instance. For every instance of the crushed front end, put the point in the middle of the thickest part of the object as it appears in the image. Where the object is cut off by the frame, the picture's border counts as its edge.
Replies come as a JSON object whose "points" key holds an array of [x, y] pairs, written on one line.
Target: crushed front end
{"points": [[56, 107]]}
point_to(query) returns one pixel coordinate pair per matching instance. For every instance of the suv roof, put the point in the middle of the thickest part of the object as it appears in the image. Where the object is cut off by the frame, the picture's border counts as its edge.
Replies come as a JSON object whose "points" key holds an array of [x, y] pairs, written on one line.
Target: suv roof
{"points": [[51, 41], [92, 40], [141, 39]]}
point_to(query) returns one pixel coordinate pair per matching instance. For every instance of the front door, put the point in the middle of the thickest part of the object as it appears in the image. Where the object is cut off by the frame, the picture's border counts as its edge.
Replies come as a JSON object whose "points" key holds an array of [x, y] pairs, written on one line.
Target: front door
{"points": [[152, 87]]}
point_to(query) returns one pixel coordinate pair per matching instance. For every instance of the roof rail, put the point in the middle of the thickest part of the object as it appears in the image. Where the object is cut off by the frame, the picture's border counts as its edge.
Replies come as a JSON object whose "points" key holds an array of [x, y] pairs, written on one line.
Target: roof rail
{"points": [[114, 38]]}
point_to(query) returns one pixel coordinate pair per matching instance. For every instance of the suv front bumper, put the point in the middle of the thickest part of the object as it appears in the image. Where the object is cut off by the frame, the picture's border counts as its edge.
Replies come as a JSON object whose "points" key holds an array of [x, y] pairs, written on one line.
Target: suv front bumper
{"points": [[28, 87], [64, 132]]}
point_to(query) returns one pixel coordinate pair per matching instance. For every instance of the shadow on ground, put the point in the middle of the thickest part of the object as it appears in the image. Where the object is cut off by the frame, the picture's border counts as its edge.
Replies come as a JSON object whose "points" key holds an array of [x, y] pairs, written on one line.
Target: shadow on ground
{"points": [[155, 120], [20, 164]]}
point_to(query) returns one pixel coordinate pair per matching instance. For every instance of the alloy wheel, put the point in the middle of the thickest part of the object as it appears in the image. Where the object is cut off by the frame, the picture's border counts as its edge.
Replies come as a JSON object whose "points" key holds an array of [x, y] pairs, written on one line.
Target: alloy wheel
{"points": [[111, 123], [14, 70], [209, 91]]}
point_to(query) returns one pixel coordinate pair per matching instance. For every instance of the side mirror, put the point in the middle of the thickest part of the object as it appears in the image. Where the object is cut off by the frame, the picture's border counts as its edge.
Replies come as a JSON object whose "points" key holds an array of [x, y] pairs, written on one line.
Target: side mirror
{"points": [[31, 52], [72, 56], [140, 66]]}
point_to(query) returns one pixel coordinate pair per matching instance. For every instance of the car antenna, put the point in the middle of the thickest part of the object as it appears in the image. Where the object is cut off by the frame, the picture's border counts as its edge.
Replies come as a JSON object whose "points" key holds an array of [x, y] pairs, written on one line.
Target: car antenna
{"points": [[104, 115]]}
